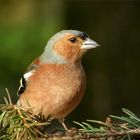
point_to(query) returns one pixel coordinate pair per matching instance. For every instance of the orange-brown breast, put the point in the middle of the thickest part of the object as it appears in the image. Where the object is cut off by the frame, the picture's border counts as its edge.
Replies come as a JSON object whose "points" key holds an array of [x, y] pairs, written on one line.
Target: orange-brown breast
{"points": [[55, 89]]}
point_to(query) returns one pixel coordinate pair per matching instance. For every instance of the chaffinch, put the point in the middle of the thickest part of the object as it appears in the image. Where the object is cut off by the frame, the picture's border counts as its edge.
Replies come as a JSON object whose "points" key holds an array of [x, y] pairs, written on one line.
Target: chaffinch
{"points": [[55, 82]]}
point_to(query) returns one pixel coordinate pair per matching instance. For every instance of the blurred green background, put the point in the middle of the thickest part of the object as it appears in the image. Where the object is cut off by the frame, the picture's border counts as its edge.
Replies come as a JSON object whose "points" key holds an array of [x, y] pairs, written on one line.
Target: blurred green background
{"points": [[113, 70]]}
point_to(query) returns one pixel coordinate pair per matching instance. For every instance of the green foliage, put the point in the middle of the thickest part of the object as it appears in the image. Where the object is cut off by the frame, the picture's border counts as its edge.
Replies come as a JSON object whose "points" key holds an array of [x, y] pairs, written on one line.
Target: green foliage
{"points": [[19, 123], [128, 128], [131, 119]]}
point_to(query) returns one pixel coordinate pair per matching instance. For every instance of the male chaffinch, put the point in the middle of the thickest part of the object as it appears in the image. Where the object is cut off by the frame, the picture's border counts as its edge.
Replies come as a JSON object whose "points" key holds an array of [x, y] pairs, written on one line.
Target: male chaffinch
{"points": [[55, 82]]}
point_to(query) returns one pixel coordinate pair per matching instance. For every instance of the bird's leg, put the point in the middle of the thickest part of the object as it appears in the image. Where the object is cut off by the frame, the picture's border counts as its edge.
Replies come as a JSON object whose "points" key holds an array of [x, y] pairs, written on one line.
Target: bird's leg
{"points": [[63, 124]]}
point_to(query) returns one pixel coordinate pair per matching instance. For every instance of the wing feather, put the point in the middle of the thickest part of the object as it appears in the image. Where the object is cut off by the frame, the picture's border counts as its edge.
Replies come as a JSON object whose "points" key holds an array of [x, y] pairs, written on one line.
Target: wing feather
{"points": [[24, 79]]}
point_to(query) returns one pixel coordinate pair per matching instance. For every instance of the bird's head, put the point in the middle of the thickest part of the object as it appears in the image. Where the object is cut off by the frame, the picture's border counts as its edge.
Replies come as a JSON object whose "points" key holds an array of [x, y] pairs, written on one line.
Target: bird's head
{"points": [[67, 46]]}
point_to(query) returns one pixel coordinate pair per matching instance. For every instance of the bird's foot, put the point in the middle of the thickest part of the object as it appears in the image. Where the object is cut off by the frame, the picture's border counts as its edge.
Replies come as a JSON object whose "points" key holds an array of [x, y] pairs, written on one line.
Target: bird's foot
{"points": [[63, 124]]}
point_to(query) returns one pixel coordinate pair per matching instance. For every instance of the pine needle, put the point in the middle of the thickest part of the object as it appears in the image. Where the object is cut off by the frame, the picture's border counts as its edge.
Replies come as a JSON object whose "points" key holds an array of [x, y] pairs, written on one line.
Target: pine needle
{"points": [[17, 122], [129, 127]]}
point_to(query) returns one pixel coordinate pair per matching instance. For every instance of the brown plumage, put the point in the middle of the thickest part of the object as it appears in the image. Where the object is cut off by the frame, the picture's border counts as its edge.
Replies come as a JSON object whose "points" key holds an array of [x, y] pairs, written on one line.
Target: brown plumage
{"points": [[55, 81], [55, 89]]}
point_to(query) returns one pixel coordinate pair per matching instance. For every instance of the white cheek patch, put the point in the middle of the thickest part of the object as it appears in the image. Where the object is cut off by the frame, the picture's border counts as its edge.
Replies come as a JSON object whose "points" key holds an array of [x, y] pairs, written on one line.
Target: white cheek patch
{"points": [[28, 74]]}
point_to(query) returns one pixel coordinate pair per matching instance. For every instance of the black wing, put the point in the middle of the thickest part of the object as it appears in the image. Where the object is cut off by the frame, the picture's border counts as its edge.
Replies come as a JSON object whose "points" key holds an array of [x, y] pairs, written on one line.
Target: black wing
{"points": [[22, 86], [23, 81]]}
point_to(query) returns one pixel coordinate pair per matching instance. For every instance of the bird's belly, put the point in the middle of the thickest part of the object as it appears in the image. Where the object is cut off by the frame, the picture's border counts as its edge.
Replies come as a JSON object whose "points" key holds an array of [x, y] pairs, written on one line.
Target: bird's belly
{"points": [[64, 98], [55, 94]]}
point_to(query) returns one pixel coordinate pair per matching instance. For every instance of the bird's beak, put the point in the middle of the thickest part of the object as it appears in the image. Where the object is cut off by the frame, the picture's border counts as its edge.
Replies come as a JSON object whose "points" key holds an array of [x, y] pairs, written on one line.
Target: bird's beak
{"points": [[89, 44]]}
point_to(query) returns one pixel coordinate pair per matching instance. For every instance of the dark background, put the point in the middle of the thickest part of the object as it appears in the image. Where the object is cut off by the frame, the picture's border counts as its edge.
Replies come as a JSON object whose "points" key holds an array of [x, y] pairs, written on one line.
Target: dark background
{"points": [[113, 70]]}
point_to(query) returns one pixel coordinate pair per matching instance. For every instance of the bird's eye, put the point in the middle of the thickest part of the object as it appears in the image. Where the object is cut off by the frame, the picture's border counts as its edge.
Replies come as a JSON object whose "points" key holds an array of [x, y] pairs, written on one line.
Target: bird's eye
{"points": [[72, 39]]}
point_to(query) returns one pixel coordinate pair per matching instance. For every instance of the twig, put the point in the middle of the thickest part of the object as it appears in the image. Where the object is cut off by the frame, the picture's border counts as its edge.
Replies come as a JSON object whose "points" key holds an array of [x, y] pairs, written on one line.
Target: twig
{"points": [[9, 97], [132, 132]]}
